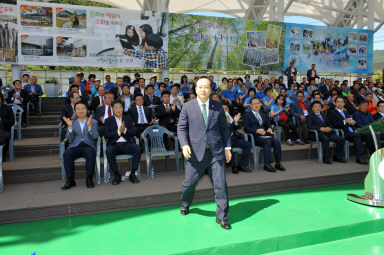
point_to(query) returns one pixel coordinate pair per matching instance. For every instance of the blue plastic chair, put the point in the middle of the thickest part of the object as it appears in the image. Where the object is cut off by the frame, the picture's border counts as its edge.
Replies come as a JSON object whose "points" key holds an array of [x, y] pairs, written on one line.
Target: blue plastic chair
{"points": [[62, 150], [255, 150], [107, 174], [157, 149], [346, 145], [28, 110], [18, 114], [11, 148], [1, 169]]}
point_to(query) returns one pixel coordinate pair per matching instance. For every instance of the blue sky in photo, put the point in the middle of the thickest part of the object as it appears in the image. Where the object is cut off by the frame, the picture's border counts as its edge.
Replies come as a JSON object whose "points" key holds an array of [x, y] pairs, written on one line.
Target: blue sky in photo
{"points": [[378, 37]]}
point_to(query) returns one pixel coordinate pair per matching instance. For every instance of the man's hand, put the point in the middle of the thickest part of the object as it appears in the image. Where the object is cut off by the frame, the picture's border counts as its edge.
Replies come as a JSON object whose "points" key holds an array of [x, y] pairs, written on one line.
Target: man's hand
{"points": [[14, 95], [228, 156], [152, 121], [89, 122], [173, 107], [260, 131], [325, 129], [270, 131], [68, 122], [122, 127], [302, 117], [187, 151], [237, 117], [101, 119]]}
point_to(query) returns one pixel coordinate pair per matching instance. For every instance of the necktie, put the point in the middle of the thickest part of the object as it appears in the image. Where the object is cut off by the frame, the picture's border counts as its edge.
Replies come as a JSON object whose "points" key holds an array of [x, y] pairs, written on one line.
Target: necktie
{"points": [[109, 111], [319, 115], [151, 98], [141, 115], [258, 117], [205, 116], [102, 101], [349, 127]]}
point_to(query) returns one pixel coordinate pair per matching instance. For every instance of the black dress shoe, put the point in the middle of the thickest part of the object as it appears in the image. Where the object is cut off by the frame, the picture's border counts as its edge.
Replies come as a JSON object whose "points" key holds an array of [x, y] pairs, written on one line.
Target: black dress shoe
{"points": [[244, 168], [361, 161], [224, 224], [327, 161], [234, 170], [269, 168], [280, 167], [340, 160], [133, 178], [89, 182], [24, 124], [184, 211], [116, 180], [69, 184]]}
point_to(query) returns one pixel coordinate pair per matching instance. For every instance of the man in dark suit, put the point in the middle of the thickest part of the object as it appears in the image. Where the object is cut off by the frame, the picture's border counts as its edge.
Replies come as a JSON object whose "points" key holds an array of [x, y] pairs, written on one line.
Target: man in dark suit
{"points": [[380, 111], [312, 74], [82, 135], [289, 72], [318, 121], [141, 88], [7, 120], [141, 116], [68, 111], [350, 105], [325, 90], [98, 100], [118, 89], [206, 143], [34, 91], [150, 98], [168, 114], [83, 95], [339, 118], [238, 142], [119, 131], [126, 98], [361, 96], [300, 110], [258, 124], [19, 96], [104, 112]]}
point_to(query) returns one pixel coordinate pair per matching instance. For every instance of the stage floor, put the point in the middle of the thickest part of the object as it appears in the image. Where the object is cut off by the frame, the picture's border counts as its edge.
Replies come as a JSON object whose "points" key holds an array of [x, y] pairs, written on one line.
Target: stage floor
{"points": [[310, 221]]}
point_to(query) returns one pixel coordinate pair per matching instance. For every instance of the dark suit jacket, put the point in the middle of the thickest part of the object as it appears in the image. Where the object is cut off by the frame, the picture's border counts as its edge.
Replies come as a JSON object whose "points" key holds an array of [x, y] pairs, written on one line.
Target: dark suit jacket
{"points": [[315, 123], [164, 116], [138, 91], [134, 115], [377, 116], [350, 108], [38, 90], [115, 91], [67, 111], [155, 100], [288, 72], [336, 120], [132, 102], [192, 130], [7, 117], [84, 97], [362, 119], [251, 124], [100, 111], [23, 94], [297, 111], [110, 130], [309, 74], [325, 91], [95, 103], [359, 98]]}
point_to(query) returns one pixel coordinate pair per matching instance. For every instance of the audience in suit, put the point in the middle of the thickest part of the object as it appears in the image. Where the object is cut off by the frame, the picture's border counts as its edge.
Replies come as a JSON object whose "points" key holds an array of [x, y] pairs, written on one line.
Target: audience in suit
{"points": [[141, 89], [68, 111], [75, 88], [119, 132], [361, 96], [98, 100], [118, 89], [168, 114], [350, 105], [34, 91], [259, 125], [380, 111], [140, 115], [7, 120], [19, 96], [300, 110], [290, 71], [318, 121], [126, 98], [104, 112], [150, 99], [312, 74], [82, 134]]}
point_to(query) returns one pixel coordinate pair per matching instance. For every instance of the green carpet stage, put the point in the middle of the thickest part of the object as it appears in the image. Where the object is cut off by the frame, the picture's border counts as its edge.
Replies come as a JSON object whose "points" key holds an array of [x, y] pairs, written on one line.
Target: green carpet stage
{"points": [[312, 221]]}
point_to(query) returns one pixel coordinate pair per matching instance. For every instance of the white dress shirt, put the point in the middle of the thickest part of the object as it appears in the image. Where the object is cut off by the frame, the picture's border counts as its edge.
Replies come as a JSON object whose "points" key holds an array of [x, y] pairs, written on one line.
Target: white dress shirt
{"points": [[127, 103], [119, 123], [106, 112]]}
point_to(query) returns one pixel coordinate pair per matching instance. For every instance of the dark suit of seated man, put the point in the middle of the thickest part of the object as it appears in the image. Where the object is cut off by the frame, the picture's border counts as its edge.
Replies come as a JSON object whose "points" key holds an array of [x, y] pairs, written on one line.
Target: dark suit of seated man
{"points": [[141, 116], [34, 91], [167, 113], [98, 100], [119, 131], [318, 121], [68, 111], [238, 142], [7, 120], [259, 125], [150, 99], [82, 134], [82, 93], [104, 112], [19, 96]]}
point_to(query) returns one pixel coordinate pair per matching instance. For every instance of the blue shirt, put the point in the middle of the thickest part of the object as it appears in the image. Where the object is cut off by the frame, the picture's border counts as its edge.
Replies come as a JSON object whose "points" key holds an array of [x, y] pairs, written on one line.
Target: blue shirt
{"points": [[248, 83], [82, 84], [185, 89], [236, 88], [241, 94], [108, 86], [213, 85], [267, 99], [231, 95], [288, 101], [276, 108], [292, 95], [260, 95]]}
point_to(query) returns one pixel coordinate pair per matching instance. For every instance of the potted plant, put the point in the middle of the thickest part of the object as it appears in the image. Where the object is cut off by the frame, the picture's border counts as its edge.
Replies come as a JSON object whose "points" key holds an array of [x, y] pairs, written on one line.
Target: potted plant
{"points": [[52, 87]]}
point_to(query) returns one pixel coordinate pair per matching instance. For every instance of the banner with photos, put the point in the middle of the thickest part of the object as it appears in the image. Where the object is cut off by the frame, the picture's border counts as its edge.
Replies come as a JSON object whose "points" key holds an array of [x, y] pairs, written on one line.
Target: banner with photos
{"points": [[8, 32], [201, 42], [332, 49], [53, 34]]}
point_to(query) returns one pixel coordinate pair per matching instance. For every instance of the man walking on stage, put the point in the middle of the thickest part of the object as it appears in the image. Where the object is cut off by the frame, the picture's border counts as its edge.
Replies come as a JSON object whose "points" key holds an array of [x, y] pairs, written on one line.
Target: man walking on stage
{"points": [[206, 142]]}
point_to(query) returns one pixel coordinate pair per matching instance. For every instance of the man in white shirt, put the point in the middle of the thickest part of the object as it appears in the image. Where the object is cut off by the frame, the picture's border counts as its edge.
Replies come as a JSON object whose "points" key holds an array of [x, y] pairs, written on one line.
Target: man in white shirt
{"points": [[140, 115], [25, 80], [104, 112], [175, 98]]}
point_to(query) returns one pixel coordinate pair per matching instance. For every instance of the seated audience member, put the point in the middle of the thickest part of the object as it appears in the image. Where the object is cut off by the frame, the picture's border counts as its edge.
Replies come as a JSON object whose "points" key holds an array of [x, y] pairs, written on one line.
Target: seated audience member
{"points": [[300, 110], [117, 90], [126, 80], [243, 95], [341, 119], [75, 88], [291, 94], [188, 97], [168, 114], [141, 89], [34, 92], [150, 100], [82, 134], [184, 85], [238, 142], [19, 96], [108, 84], [229, 95], [68, 111], [161, 89], [119, 132], [280, 112], [215, 97], [362, 116], [268, 99], [350, 105], [318, 121], [94, 90], [104, 112], [371, 105], [90, 83], [258, 124], [361, 96], [214, 85], [307, 96], [247, 81], [380, 113], [312, 86], [126, 98], [82, 92], [140, 115], [259, 91], [344, 90], [98, 100], [175, 98], [247, 101], [288, 100], [25, 80], [7, 120]]}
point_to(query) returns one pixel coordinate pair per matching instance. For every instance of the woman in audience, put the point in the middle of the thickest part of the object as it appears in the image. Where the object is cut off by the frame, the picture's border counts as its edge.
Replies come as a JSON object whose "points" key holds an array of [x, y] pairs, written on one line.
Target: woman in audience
{"points": [[223, 85], [247, 101], [184, 86], [90, 83], [126, 80], [268, 99]]}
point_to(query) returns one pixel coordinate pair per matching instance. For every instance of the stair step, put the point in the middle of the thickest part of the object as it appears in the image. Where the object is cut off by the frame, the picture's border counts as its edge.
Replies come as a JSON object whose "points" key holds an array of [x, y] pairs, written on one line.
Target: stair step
{"points": [[40, 131]]}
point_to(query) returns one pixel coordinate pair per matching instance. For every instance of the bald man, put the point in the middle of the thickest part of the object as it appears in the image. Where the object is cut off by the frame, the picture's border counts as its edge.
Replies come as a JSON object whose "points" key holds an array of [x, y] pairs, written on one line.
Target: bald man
{"points": [[206, 142]]}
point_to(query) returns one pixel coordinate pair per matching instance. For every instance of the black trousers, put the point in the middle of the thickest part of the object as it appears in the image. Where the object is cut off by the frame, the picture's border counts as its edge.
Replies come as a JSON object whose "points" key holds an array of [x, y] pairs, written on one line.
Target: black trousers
{"points": [[358, 140], [245, 146], [81, 151], [287, 127], [5, 137], [325, 138], [268, 144], [140, 128], [216, 169], [24, 115], [302, 128], [35, 102], [123, 148]]}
